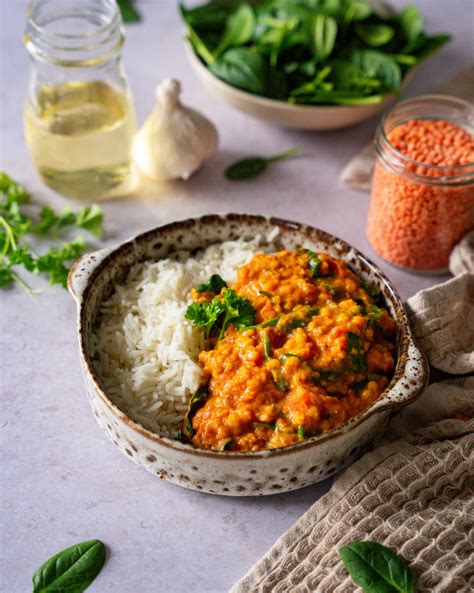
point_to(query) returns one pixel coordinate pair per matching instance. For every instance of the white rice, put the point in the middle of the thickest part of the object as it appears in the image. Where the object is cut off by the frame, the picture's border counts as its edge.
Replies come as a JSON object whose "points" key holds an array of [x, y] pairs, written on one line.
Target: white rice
{"points": [[144, 350]]}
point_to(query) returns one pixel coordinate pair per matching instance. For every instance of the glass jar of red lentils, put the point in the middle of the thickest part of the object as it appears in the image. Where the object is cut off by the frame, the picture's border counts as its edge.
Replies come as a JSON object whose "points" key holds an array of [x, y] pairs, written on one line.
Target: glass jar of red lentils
{"points": [[422, 200]]}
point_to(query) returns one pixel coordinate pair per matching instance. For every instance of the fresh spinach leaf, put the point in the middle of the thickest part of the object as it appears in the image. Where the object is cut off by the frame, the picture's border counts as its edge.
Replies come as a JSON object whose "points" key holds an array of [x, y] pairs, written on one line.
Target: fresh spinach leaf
{"points": [[244, 68], [378, 65], [376, 569], [269, 323], [355, 349], [196, 401], [374, 34], [208, 17], [431, 45], [253, 166], [226, 443], [294, 324], [314, 263], [339, 98], [238, 28], [356, 10], [71, 570], [325, 31], [411, 23], [371, 290]]}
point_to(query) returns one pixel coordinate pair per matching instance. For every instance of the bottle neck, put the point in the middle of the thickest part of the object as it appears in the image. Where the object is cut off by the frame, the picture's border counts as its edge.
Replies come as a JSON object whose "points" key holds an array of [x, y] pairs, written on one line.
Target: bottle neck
{"points": [[74, 34]]}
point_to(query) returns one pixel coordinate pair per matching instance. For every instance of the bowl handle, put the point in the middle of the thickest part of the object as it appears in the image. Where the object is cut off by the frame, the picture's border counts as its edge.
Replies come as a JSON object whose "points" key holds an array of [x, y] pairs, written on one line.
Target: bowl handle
{"points": [[411, 385], [81, 270]]}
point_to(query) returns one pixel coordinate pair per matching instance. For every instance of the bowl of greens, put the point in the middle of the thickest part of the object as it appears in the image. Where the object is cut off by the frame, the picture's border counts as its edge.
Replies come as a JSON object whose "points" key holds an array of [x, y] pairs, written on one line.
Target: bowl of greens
{"points": [[312, 64]]}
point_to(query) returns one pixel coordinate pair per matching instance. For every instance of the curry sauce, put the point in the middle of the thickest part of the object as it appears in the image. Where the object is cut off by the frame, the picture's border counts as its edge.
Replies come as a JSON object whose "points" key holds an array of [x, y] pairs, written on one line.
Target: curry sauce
{"points": [[319, 352]]}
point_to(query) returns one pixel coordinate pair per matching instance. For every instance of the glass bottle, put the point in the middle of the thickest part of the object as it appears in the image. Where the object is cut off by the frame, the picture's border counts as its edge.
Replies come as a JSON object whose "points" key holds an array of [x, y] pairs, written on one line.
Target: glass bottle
{"points": [[419, 211], [78, 115]]}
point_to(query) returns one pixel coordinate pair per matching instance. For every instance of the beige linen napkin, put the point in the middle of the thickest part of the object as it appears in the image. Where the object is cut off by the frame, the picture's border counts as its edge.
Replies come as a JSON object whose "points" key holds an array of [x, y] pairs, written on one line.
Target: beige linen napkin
{"points": [[415, 492], [358, 171]]}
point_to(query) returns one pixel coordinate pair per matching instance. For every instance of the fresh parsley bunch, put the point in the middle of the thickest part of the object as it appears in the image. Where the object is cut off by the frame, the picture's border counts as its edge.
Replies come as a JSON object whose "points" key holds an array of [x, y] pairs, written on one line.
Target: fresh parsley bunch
{"points": [[16, 226], [216, 315]]}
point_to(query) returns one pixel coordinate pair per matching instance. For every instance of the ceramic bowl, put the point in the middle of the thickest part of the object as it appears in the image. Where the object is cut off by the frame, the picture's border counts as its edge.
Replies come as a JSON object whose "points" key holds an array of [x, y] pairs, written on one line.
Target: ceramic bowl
{"points": [[93, 278], [305, 117]]}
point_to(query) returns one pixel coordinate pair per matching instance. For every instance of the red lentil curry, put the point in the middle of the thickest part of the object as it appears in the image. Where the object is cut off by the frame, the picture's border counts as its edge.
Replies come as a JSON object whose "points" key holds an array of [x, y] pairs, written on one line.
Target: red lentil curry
{"points": [[303, 348]]}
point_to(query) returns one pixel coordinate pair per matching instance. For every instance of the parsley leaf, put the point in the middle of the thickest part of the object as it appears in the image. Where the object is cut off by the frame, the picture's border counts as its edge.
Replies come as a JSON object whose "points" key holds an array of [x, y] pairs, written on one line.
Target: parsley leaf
{"points": [[215, 285], [90, 219], [205, 314], [15, 250], [239, 311], [53, 261], [218, 314]]}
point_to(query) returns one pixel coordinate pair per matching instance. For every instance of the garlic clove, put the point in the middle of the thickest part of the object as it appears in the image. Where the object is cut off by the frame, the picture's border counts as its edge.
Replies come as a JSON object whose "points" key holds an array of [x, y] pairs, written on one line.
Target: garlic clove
{"points": [[175, 140]]}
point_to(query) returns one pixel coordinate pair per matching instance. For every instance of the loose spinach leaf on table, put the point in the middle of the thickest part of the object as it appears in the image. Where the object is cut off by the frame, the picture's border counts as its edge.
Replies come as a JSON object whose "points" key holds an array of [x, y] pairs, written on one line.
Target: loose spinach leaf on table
{"points": [[72, 570], [291, 50], [376, 569], [253, 166]]}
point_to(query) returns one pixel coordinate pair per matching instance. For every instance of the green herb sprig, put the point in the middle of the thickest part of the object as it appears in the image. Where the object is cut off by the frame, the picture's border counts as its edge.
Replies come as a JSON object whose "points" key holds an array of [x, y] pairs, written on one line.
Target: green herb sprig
{"points": [[215, 285], [376, 569], [216, 315], [341, 52], [251, 167], [72, 570], [17, 227]]}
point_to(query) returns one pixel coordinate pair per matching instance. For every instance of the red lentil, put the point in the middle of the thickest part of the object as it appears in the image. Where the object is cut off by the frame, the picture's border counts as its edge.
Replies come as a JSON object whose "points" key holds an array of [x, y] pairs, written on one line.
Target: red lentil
{"points": [[415, 218], [329, 355]]}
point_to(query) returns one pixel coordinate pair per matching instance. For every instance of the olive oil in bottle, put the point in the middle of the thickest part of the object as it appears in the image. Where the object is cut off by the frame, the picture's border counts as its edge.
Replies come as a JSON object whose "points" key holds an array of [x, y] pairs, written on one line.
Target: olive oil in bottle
{"points": [[80, 135]]}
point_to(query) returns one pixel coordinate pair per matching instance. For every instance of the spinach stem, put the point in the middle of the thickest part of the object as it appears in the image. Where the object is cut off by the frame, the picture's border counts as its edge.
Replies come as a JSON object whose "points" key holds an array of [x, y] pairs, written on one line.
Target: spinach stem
{"points": [[283, 155]]}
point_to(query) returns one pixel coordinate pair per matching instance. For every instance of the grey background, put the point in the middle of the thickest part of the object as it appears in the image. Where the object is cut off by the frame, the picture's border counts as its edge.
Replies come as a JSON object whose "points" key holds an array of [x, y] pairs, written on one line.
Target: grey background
{"points": [[62, 481]]}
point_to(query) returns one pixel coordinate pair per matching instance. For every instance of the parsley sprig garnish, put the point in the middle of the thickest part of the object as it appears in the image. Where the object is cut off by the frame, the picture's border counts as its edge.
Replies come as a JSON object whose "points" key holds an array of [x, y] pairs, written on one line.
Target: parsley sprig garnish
{"points": [[215, 316], [16, 226]]}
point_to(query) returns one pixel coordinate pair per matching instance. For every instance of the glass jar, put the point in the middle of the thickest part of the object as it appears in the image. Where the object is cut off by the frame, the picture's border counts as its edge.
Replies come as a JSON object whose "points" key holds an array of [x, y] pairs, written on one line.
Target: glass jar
{"points": [[419, 211], [78, 115]]}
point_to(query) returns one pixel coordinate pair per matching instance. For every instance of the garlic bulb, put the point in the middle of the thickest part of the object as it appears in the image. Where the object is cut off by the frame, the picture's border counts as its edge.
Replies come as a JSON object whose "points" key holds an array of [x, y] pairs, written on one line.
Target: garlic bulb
{"points": [[174, 140]]}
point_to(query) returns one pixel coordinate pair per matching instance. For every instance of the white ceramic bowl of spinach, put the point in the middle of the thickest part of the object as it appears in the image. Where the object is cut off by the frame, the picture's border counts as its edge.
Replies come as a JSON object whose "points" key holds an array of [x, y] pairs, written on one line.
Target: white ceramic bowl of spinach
{"points": [[311, 64]]}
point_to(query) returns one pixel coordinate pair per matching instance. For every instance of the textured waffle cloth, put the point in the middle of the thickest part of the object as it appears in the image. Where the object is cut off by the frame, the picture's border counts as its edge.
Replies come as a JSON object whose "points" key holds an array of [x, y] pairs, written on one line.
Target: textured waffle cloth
{"points": [[358, 171], [415, 492]]}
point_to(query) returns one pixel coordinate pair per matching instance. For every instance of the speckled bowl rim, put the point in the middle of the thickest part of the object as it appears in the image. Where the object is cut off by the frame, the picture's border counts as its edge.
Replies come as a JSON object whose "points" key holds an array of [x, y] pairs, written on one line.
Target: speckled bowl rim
{"points": [[404, 339]]}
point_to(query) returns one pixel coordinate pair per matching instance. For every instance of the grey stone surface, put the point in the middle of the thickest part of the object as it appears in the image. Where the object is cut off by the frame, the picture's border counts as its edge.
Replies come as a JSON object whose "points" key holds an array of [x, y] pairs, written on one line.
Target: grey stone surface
{"points": [[61, 479]]}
